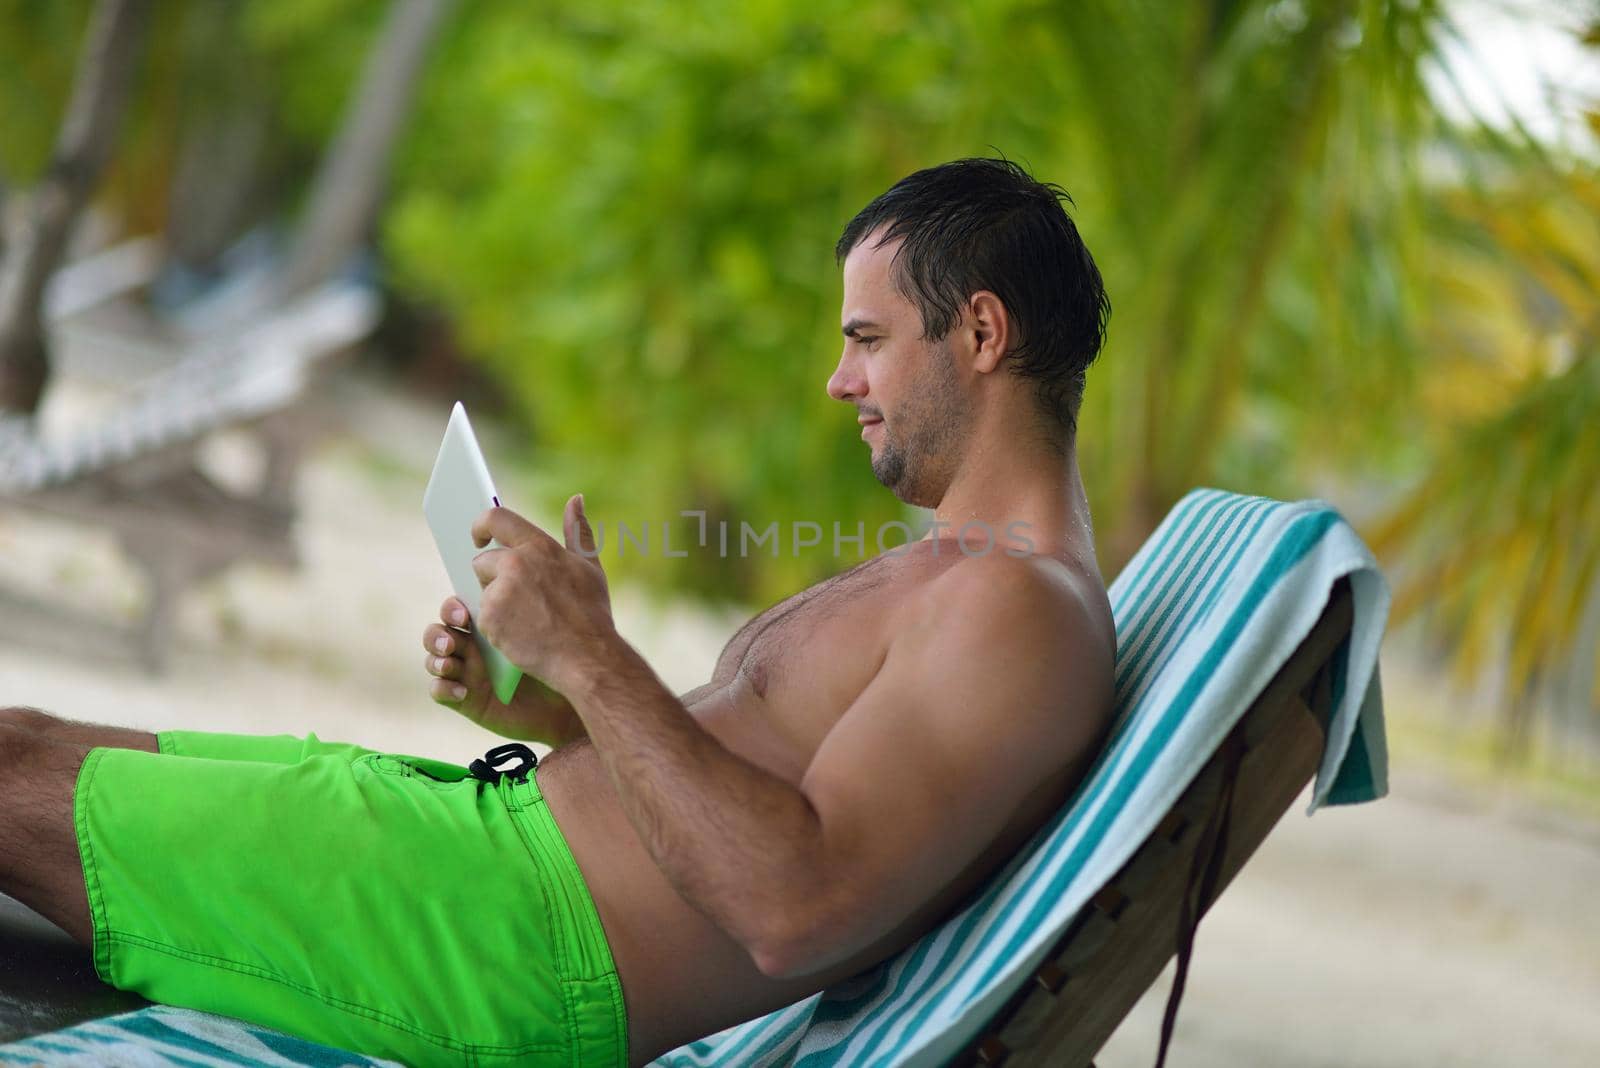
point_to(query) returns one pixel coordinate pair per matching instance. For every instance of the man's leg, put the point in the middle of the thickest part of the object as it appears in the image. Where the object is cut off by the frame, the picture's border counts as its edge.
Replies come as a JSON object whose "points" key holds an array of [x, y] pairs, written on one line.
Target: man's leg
{"points": [[39, 862], [217, 745], [380, 903], [40, 755], [35, 721]]}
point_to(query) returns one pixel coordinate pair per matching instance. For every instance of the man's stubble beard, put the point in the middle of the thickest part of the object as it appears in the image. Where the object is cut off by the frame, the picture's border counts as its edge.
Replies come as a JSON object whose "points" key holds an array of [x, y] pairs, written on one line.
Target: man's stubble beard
{"points": [[932, 421]]}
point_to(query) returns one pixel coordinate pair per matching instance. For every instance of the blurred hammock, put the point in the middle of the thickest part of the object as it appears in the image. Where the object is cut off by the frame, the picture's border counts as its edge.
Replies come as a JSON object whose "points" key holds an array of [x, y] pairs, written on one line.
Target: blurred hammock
{"points": [[133, 469]]}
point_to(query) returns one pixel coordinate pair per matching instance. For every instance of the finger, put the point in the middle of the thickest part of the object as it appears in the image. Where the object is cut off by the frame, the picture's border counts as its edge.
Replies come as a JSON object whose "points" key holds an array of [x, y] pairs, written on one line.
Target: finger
{"points": [[486, 565], [443, 667], [446, 692], [438, 638], [575, 527], [454, 612], [504, 526]]}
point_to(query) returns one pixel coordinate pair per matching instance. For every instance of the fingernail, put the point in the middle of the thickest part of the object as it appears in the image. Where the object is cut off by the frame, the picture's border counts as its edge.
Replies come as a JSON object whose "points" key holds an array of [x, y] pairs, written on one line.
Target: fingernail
{"points": [[439, 663], [459, 691], [458, 615], [442, 644]]}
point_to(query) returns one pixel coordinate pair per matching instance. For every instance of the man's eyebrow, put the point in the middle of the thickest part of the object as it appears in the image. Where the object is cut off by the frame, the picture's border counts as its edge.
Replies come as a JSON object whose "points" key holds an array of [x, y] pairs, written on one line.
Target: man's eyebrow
{"points": [[854, 326]]}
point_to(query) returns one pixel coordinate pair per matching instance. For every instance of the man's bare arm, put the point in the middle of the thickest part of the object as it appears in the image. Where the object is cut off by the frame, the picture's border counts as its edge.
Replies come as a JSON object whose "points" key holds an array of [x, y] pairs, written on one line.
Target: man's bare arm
{"points": [[996, 660], [975, 706]]}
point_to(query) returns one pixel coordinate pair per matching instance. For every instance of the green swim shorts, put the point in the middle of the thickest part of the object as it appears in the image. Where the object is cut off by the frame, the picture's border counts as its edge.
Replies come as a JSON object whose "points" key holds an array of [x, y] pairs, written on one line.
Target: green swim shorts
{"points": [[391, 905]]}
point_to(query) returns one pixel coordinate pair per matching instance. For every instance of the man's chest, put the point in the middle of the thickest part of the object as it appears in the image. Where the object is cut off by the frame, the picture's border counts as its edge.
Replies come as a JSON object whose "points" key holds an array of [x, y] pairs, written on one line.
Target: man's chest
{"points": [[785, 678]]}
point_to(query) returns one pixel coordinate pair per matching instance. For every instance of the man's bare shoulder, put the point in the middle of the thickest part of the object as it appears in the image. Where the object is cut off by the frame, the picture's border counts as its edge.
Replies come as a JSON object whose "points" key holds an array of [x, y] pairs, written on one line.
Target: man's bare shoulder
{"points": [[1025, 638], [1043, 603]]}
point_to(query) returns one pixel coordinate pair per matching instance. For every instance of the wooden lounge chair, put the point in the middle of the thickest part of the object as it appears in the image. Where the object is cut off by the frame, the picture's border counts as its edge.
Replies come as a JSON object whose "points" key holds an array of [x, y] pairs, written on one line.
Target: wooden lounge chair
{"points": [[1147, 913]]}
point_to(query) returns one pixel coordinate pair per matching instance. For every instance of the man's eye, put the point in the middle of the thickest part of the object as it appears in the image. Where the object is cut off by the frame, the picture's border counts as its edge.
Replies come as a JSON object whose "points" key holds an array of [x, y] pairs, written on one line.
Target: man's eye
{"points": [[866, 340]]}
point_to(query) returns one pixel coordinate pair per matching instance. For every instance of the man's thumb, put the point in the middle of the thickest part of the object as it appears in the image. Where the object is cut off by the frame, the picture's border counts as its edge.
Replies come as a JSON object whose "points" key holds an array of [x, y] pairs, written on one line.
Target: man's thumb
{"points": [[580, 537]]}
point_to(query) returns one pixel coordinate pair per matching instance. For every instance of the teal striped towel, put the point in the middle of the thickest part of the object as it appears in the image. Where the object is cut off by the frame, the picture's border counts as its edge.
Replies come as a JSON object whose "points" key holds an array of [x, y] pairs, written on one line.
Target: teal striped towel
{"points": [[1207, 612], [160, 1036]]}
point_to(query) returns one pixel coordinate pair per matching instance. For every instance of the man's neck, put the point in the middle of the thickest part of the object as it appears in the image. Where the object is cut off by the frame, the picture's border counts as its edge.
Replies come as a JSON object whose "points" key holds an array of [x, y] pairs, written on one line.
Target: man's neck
{"points": [[1034, 493]]}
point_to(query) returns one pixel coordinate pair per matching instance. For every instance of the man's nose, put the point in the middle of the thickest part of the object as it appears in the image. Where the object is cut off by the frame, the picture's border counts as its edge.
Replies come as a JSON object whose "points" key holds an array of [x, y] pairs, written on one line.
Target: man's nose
{"points": [[847, 383]]}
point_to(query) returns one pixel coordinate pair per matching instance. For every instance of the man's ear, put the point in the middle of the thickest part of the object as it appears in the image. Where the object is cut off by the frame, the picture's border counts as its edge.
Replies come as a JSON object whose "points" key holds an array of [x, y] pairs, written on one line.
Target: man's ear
{"points": [[990, 327]]}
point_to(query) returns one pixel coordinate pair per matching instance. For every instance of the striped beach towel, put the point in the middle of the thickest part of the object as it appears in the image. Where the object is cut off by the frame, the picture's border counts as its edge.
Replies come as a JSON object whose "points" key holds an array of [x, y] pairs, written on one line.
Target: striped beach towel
{"points": [[1207, 612], [164, 1037]]}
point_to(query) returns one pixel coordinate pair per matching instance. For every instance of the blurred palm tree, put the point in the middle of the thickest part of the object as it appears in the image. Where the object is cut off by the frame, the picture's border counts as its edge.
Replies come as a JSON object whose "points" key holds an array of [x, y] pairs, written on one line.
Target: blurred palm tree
{"points": [[1253, 168], [1332, 278], [31, 251], [1244, 171], [1498, 542]]}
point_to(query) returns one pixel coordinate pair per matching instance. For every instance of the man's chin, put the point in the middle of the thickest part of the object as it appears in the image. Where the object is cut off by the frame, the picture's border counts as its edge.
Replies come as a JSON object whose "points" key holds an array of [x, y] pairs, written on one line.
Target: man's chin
{"points": [[893, 478], [899, 481], [889, 474]]}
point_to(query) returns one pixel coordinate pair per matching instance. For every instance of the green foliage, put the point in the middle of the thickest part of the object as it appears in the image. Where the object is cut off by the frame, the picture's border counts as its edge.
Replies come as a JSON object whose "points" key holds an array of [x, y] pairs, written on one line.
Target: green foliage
{"points": [[1497, 538], [628, 210], [631, 210], [38, 49], [314, 49]]}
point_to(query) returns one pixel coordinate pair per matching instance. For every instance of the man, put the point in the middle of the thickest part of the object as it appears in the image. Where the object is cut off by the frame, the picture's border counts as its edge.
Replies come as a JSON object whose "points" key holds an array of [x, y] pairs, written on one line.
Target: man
{"points": [[864, 755]]}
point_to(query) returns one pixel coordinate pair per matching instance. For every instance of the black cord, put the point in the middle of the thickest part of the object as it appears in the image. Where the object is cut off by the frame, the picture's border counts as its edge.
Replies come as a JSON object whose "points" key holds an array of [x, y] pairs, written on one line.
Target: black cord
{"points": [[1209, 853], [485, 769]]}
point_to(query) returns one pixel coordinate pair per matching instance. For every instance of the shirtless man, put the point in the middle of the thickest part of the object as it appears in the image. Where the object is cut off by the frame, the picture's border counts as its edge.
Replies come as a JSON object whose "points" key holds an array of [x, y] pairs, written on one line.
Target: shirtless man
{"points": [[864, 754]]}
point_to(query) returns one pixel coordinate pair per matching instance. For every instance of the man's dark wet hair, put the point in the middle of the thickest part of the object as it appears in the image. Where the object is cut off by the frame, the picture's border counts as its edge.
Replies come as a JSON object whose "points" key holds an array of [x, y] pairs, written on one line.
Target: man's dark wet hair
{"points": [[976, 224]]}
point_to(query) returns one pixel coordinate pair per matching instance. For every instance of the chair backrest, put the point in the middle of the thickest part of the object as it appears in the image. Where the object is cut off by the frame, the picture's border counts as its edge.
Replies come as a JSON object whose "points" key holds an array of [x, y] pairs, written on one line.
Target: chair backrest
{"points": [[1207, 612], [1149, 911]]}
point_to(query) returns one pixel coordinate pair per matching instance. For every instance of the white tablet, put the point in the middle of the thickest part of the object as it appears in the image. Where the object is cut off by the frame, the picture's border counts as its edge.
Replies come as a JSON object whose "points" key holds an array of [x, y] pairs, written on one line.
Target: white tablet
{"points": [[459, 491]]}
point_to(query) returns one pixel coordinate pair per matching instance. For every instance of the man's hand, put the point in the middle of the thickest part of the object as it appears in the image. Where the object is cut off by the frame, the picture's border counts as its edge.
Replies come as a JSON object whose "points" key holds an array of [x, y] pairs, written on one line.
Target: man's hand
{"points": [[544, 605], [461, 681]]}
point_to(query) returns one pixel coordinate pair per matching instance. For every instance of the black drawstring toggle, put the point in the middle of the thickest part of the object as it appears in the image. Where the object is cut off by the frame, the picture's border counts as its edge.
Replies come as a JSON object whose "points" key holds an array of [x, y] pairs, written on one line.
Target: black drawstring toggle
{"points": [[485, 769]]}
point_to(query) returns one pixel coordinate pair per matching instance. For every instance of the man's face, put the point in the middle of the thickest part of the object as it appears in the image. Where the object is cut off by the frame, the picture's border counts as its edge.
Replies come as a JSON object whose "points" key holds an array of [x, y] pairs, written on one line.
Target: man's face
{"points": [[907, 391]]}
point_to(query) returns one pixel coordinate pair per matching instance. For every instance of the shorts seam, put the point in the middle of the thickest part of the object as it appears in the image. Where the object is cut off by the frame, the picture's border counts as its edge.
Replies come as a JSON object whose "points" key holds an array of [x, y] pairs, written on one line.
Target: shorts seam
{"points": [[166, 744], [569, 995], [573, 987], [224, 964], [398, 768], [569, 1021], [556, 932], [99, 927], [573, 993], [619, 1011]]}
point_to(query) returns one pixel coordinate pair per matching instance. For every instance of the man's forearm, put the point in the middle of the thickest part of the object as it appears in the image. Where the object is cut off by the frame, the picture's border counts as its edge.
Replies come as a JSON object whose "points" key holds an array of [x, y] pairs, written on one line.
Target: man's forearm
{"points": [[730, 836]]}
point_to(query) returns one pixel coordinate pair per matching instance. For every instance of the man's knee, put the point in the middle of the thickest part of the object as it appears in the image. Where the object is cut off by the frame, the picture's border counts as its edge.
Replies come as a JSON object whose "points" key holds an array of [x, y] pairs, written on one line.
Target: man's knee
{"points": [[24, 717], [18, 745], [35, 769], [39, 861], [41, 725], [36, 778]]}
